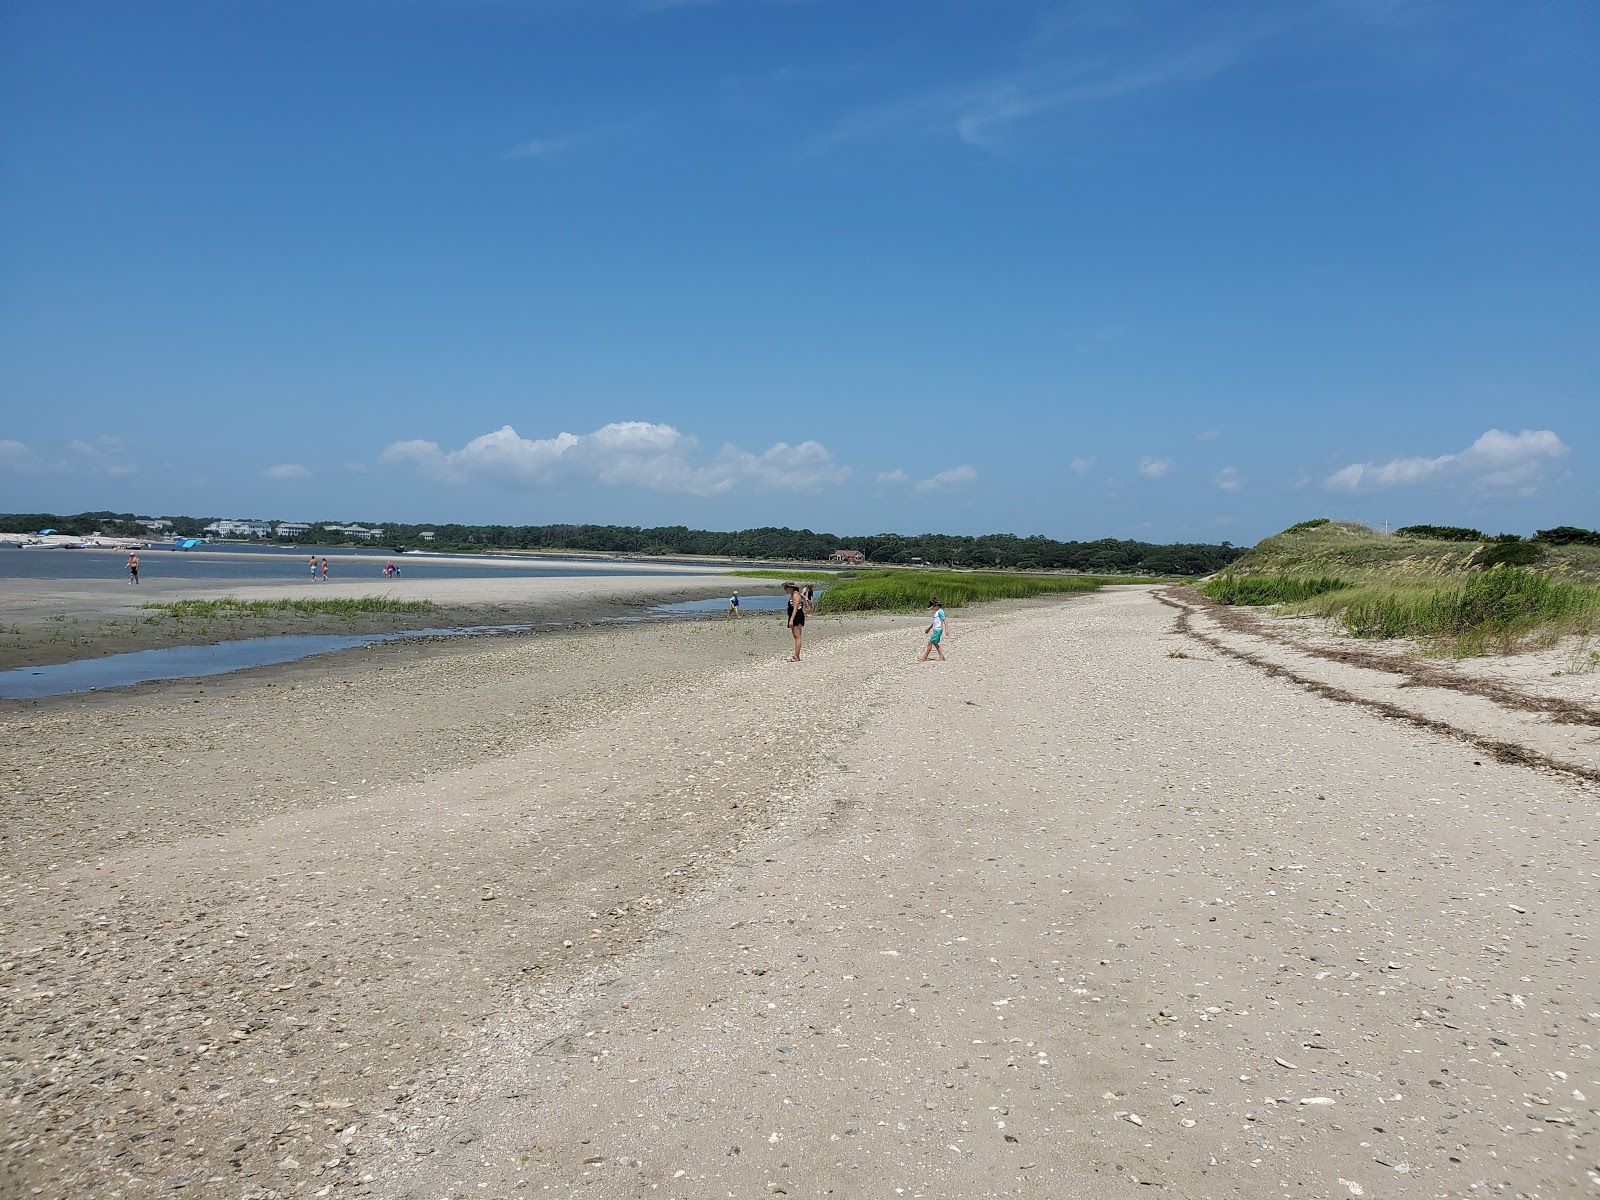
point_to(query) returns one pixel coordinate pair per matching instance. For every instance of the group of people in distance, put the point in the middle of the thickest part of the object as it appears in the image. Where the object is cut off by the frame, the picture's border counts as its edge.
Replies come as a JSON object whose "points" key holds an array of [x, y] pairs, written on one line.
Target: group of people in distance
{"points": [[802, 601]]}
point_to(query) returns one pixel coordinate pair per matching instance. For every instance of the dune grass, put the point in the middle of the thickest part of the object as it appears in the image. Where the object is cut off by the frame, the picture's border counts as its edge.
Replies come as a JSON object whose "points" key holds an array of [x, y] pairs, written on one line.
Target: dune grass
{"points": [[1492, 611], [232, 606], [910, 591], [1229, 588]]}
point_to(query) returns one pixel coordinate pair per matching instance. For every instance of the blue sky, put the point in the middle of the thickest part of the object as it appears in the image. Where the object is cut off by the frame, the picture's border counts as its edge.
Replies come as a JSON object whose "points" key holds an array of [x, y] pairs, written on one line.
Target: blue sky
{"points": [[1150, 269]]}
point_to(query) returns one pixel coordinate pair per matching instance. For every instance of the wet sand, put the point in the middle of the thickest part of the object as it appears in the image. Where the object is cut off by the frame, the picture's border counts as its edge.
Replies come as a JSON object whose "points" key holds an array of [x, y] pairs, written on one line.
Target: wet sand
{"points": [[647, 910]]}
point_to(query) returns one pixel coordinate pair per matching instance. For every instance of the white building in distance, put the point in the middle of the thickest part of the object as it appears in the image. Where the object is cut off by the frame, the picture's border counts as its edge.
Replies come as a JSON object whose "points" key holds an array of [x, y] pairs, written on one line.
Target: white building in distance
{"points": [[230, 528]]}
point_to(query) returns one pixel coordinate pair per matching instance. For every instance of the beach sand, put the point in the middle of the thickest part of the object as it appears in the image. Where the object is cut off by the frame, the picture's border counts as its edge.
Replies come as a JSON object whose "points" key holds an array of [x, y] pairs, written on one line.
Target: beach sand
{"points": [[647, 910]]}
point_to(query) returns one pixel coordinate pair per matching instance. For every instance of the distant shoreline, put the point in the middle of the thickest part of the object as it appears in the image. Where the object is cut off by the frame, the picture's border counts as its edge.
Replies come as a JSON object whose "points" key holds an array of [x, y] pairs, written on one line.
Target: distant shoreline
{"points": [[46, 621]]}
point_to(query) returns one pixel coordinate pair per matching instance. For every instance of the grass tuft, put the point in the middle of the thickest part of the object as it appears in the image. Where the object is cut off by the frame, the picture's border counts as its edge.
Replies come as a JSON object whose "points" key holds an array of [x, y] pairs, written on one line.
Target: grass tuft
{"points": [[232, 606]]}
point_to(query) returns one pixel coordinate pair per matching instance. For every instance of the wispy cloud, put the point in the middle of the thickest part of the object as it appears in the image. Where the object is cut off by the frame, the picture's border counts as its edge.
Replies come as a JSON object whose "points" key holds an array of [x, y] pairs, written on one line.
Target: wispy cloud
{"points": [[637, 454], [1229, 479], [1497, 462], [1081, 466], [893, 478], [956, 477], [1077, 65], [1208, 435], [551, 145], [285, 471], [1090, 55], [1155, 468], [105, 455]]}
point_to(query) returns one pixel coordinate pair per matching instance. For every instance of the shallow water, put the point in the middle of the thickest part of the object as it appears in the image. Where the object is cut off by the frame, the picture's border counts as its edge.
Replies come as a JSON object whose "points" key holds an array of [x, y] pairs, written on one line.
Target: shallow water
{"points": [[187, 662], [720, 604], [229, 563]]}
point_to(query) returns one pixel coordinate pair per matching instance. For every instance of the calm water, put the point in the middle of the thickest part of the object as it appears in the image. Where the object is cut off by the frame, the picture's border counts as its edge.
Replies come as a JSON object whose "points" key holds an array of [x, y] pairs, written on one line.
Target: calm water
{"points": [[257, 564], [188, 662]]}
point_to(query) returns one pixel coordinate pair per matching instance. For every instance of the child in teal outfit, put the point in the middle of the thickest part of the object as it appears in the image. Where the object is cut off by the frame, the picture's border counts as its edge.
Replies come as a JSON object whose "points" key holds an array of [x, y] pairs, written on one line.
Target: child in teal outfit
{"points": [[935, 633]]}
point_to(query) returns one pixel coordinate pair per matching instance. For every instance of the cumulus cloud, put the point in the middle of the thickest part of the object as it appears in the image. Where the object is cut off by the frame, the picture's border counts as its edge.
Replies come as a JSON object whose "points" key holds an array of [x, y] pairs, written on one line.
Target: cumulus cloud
{"points": [[622, 454], [1082, 466], [893, 478], [1155, 468], [956, 477], [285, 471], [1497, 462], [1229, 479]]}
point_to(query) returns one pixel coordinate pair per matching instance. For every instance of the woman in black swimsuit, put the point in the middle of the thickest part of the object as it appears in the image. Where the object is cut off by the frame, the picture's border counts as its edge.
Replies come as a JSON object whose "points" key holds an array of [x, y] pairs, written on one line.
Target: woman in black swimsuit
{"points": [[796, 618]]}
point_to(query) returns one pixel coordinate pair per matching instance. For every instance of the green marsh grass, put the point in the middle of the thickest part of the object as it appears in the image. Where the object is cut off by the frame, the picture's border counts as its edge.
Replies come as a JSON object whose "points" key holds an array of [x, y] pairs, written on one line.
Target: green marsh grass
{"points": [[232, 606], [797, 576], [910, 591], [1268, 589]]}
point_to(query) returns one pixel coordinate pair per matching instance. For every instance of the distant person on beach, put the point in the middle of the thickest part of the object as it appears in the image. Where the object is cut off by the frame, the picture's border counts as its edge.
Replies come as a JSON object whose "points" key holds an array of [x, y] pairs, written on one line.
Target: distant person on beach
{"points": [[935, 632], [133, 568], [733, 605], [388, 570], [324, 570], [795, 618], [313, 568]]}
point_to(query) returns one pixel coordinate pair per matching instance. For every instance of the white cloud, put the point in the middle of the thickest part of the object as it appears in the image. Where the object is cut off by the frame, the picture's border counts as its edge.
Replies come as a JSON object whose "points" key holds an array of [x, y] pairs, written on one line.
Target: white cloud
{"points": [[1229, 479], [623, 454], [955, 477], [1208, 435], [1497, 462], [15, 456], [285, 471], [893, 478], [1082, 466], [1155, 468]]}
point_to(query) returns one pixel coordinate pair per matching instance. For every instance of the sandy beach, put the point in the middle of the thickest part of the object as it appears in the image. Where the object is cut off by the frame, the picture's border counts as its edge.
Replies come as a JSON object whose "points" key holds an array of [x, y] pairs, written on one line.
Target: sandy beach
{"points": [[1119, 897]]}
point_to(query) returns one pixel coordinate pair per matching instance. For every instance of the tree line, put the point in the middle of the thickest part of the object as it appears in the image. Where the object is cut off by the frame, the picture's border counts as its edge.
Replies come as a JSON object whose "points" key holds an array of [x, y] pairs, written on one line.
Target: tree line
{"points": [[996, 550]]}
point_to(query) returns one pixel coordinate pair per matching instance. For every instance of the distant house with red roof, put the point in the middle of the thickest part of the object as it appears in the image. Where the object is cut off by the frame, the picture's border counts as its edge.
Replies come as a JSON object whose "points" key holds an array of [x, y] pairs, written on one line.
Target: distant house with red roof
{"points": [[847, 556]]}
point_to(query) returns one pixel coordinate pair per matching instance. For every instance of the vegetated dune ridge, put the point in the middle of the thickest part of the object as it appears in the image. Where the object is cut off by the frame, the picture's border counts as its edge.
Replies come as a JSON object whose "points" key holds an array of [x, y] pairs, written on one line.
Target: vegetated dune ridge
{"points": [[648, 911]]}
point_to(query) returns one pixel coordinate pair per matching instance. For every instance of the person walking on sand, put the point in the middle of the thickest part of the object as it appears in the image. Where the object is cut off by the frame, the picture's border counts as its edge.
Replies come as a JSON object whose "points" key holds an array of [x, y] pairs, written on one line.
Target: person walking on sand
{"points": [[133, 569], [733, 606], [795, 618], [313, 568], [324, 570], [935, 632]]}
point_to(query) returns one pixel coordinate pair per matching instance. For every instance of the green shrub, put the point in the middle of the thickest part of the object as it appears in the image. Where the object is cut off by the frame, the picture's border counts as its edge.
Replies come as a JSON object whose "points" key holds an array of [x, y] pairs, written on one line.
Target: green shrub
{"points": [[1440, 533], [1568, 535], [1314, 523], [1510, 554]]}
